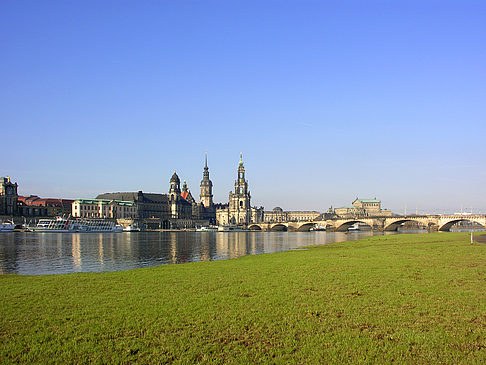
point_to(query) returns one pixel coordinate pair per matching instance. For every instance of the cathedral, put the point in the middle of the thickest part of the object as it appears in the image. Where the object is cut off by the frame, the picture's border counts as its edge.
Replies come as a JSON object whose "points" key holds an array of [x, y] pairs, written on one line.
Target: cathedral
{"points": [[239, 211]]}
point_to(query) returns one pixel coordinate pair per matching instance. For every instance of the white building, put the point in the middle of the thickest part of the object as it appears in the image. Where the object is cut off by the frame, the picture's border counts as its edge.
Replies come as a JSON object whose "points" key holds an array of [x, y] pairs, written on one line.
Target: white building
{"points": [[101, 208]]}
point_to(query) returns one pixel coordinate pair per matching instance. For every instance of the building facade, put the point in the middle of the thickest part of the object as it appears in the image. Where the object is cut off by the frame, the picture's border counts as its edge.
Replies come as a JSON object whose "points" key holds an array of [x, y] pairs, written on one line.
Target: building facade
{"points": [[278, 215], [8, 197], [363, 208], [239, 210], [34, 206], [180, 208], [102, 208], [162, 211]]}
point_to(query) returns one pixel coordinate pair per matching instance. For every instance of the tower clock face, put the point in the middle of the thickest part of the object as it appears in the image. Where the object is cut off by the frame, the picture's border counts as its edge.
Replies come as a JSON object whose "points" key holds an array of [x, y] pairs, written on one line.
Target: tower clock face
{"points": [[9, 190]]}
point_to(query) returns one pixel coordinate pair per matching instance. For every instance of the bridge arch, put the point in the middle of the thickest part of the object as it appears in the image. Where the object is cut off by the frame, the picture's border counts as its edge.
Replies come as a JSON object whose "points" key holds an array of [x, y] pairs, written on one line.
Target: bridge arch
{"points": [[255, 227], [343, 227], [279, 227], [305, 227], [394, 226], [447, 226]]}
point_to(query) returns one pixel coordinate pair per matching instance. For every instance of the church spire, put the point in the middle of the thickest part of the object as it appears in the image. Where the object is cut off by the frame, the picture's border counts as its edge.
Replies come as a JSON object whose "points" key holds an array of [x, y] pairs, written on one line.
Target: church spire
{"points": [[206, 185], [206, 169], [241, 169]]}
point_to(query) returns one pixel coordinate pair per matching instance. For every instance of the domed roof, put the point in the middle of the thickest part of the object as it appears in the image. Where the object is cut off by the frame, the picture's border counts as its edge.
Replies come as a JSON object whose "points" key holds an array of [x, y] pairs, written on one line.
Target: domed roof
{"points": [[175, 178], [277, 209]]}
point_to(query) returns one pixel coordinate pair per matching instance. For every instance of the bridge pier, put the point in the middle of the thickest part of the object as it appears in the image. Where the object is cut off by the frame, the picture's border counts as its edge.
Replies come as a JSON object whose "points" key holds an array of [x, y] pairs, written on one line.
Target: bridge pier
{"points": [[378, 225]]}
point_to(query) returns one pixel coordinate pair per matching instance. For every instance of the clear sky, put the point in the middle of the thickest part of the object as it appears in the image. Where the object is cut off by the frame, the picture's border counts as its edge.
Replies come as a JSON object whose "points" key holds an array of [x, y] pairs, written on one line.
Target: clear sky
{"points": [[327, 100]]}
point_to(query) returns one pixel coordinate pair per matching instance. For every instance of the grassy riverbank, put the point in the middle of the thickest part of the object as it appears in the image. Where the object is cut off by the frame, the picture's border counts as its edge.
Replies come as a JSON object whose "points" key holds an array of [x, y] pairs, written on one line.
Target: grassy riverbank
{"points": [[406, 298]]}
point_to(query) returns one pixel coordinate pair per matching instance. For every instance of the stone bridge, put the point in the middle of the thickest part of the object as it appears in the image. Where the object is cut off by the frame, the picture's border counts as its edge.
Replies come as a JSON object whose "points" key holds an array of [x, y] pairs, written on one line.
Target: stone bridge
{"points": [[431, 222]]}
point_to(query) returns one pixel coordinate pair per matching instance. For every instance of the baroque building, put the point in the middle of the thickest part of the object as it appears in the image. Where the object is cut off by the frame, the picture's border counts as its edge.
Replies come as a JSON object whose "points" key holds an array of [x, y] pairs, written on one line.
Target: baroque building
{"points": [[239, 210], [278, 215], [164, 211], [101, 208], [8, 197], [177, 209], [363, 208], [180, 208]]}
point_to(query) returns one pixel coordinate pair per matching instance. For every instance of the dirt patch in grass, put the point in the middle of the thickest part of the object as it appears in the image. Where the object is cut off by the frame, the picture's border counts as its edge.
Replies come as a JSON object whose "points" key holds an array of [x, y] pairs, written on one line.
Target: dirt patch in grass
{"points": [[480, 239]]}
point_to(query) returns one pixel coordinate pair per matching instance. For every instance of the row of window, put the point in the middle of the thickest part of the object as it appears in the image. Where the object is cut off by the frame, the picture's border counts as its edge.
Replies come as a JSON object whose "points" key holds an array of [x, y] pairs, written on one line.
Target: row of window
{"points": [[96, 207]]}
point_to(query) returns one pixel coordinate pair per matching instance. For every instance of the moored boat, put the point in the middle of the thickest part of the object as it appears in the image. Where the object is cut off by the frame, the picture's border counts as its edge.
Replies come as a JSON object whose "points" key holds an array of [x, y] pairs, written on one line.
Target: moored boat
{"points": [[207, 229], [232, 229], [131, 228], [7, 226], [67, 225], [318, 227]]}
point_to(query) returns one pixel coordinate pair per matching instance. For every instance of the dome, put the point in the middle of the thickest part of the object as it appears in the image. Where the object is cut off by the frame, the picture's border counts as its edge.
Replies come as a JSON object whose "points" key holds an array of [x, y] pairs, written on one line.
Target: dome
{"points": [[175, 178], [277, 209]]}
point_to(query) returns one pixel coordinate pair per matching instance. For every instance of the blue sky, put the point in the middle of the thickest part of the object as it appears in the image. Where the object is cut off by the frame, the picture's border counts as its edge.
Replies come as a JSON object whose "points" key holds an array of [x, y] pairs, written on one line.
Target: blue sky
{"points": [[327, 100]]}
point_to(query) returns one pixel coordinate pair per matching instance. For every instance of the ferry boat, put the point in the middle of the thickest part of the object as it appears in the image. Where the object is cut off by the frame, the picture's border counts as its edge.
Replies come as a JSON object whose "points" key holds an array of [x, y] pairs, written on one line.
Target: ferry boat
{"points": [[317, 227], [207, 229], [354, 227], [7, 226], [61, 224], [232, 229], [131, 228]]}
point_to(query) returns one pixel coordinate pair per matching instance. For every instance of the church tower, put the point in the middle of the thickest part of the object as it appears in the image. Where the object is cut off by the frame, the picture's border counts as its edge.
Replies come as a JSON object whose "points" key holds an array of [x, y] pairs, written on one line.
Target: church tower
{"points": [[206, 196], [174, 195], [175, 187], [239, 201]]}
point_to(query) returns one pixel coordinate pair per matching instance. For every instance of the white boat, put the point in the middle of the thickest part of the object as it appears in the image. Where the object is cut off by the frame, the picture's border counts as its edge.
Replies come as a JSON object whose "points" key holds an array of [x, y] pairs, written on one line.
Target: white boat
{"points": [[61, 224], [207, 229], [317, 227], [131, 228], [354, 227], [232, 229], [7, 226]]}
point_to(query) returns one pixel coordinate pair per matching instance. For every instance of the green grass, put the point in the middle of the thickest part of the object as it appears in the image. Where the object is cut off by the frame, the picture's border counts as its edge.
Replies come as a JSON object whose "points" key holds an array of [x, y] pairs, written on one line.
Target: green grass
{"points": [[417, 299]]}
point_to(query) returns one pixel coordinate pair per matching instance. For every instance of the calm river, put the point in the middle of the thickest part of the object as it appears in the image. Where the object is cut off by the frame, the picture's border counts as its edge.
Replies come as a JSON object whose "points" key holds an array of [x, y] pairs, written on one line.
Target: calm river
{"points": [[28, 253]]}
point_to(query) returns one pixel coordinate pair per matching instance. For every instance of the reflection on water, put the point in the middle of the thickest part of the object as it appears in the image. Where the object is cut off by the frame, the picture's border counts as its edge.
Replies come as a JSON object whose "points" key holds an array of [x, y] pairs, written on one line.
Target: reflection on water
{"points": [[29, 253]]}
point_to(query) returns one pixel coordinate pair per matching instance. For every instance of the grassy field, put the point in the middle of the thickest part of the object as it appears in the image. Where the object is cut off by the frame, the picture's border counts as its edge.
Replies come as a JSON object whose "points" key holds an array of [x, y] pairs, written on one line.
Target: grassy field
{"points": [[404, 298]]}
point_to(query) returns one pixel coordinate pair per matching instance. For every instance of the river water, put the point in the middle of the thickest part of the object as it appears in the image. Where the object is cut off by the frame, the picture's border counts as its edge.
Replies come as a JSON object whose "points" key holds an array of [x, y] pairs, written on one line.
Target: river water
{"points": [[28, 253]]}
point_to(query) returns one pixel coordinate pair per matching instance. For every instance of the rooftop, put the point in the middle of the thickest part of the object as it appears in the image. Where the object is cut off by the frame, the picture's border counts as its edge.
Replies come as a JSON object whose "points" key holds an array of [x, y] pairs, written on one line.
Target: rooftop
{"points": [[368, 200], [105, 202]]}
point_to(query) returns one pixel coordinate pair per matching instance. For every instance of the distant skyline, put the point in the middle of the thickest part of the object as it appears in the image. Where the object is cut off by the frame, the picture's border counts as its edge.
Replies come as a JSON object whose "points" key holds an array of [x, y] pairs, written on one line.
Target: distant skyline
{"points": [[327, 101]]}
